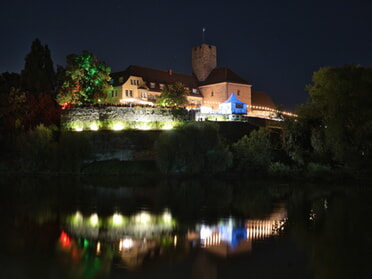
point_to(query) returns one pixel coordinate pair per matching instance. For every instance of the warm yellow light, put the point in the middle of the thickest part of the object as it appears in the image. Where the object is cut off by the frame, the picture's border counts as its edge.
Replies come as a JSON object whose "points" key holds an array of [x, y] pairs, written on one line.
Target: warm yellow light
{"points": [[168, 127], [78, 218], [143, 127], [94, 219], [78, 128], [127, 243], [175, 241], [167, 217], [98, 249], [117, 219], [118, 127], [143, 218], [94, 127]]}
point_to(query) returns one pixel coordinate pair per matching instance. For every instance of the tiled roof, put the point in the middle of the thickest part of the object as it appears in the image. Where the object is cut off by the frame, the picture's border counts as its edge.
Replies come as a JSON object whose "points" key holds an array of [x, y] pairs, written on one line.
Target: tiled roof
{"points": [[154, 75], [223, 75], [262, 99]]}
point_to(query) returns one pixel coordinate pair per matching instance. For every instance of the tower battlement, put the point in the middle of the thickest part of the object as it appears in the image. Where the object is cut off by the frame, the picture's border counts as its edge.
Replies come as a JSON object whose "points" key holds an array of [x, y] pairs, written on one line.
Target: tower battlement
{"points": [[204, 60]]}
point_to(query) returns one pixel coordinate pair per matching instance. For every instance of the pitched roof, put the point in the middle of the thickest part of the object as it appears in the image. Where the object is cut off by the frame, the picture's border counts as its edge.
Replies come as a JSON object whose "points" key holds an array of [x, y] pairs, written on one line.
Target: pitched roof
{"points": [[223, 74], [154, 75], [233, 99], [262, 99]]}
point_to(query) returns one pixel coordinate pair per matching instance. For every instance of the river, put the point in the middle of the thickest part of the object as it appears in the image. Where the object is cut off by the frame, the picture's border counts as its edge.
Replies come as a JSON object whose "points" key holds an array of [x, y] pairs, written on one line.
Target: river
{"points": [[148, 227]]}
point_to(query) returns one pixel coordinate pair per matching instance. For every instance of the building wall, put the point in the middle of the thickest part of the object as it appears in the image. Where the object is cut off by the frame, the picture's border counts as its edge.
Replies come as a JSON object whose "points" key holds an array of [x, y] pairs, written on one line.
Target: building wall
{"points": [[132, 85], [215, 94], [204, 60], [242, 91]]}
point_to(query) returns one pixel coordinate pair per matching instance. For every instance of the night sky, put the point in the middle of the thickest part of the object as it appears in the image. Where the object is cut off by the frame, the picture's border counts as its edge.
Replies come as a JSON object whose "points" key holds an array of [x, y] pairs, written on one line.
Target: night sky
{"points": [[275, 45]]}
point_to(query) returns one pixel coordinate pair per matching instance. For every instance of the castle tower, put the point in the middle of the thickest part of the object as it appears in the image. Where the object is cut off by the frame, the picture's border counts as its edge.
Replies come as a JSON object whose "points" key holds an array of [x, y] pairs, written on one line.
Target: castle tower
{"points": [[204, 60]]}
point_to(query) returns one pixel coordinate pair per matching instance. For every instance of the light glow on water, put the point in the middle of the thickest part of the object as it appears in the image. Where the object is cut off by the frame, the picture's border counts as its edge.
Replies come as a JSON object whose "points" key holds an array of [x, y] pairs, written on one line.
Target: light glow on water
{"points": [[94, 220]]}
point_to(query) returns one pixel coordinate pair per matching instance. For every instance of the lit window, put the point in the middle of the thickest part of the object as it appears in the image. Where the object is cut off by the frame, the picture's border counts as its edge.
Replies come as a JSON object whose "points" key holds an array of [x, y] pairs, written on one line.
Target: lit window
{"points": [[143, 94], [152, 84], [161, 86], [194, 90], [151, 97], [134, 82]]}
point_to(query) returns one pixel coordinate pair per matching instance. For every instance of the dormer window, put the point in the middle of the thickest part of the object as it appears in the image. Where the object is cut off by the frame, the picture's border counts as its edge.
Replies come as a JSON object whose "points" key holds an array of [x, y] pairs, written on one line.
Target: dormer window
{"points": [[161, 85], [152, 84], [134, 82], [121, 79], [194, 90]]}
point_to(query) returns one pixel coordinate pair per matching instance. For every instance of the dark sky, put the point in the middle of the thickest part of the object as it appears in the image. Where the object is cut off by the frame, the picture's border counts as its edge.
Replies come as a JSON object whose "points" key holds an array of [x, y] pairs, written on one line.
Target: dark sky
{"points": [[275, 45]]}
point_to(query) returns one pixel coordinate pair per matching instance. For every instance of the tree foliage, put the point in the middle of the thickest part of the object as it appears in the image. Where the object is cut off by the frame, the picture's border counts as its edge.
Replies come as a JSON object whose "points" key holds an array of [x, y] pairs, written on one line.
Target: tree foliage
{"points": [[173, 94], [28, 99], [85, 81], [193, 148], [341, 101], [253, 151], [38, 75]]}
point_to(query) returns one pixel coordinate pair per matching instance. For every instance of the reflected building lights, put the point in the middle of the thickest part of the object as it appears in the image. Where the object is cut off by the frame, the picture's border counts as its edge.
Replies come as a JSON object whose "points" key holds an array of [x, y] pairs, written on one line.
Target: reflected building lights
{"points": [[94, 220], [212, 237], [117, 219], [98, 248]]}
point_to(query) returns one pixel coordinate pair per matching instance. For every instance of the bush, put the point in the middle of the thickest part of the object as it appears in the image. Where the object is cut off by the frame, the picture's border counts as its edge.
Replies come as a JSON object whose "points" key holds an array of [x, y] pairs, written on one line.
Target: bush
{"points": [[32, 151], [279, 169], [193, 148], [71, 152], [253, 152], [315, 170]]}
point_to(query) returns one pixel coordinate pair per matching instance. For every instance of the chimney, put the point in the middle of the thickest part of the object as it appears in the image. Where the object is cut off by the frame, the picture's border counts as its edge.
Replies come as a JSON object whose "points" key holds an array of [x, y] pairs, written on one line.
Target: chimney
{"points": [[170, 72]]}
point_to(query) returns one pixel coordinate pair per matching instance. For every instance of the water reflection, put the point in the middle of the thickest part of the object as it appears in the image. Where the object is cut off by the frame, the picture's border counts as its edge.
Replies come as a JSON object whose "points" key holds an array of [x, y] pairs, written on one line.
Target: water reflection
{"points": [[184, 229], [229, 237], [144, 236]]}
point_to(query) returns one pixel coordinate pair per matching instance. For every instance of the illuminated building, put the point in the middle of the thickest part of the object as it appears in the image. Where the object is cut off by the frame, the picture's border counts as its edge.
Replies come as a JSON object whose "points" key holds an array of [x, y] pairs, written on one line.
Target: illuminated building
{"points": [[208, 86]]}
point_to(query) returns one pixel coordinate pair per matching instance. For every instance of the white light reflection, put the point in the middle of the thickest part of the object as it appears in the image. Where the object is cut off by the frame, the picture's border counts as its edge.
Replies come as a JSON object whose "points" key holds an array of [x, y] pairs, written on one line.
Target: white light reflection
{"points": [[117, 219], [94, 220]]}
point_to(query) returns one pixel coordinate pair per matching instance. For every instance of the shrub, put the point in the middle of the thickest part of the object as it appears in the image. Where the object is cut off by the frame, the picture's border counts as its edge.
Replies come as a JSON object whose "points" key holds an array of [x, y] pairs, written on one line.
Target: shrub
{"points": [[315, 170], [193, 148], [279, 169], [253, 152]]}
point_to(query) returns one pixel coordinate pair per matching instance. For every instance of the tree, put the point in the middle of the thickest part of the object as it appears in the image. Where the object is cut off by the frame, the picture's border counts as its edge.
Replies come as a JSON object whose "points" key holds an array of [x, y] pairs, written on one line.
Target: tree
{"points": [[173, 94], [253, 152], [38, 75], [340, 97], [86, 80], [193, 148], [11, 101]]}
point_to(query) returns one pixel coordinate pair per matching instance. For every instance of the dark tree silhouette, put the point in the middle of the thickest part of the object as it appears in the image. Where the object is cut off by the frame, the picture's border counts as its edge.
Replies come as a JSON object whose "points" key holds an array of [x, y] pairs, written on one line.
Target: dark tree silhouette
{"points": [[38, 75]]}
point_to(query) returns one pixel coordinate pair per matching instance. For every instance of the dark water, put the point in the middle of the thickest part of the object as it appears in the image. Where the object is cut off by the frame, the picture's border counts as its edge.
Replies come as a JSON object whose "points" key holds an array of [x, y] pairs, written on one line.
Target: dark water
{"points": [[138, 227]]}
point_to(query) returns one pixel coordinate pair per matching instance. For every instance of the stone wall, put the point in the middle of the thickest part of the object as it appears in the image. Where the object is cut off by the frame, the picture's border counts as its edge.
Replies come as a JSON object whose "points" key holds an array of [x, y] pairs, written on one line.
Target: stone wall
{"points": [[118, 113]]}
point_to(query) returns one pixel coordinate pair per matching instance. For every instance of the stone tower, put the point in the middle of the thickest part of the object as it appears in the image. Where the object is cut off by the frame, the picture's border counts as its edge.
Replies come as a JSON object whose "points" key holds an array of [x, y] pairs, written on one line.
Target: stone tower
{"points": [[204, 60]]}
